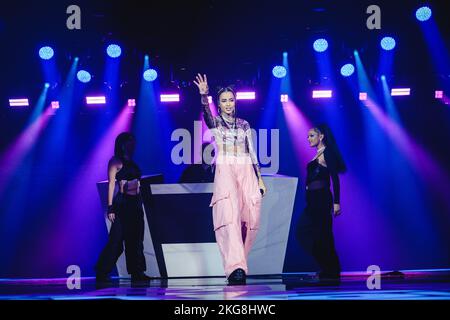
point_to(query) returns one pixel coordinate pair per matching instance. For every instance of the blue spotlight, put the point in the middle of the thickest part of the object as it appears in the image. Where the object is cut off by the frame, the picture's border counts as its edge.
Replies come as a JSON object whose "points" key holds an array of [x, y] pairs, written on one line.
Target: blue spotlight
{"points": [[84, 76], [285, 54], [320, 45], [150, 75], [47, 85], [46, 53], [279, 72], [347, 70], [388, 43], [114, 51], [423, 14]]}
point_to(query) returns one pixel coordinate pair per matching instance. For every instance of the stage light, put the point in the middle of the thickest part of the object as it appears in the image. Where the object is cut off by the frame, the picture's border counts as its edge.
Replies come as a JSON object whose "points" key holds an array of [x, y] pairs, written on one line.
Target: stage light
{"points": [[170, 98], [439, 94], [131, 103], [363, 96], [210, 99], [284, 98], [320, 45], [114, 51], [388, 43], [279, 72], [83, 76], [19, 102], [285, 54], [96, 100], [150, 75], [347, 70], [55, 104], [319, 94], [401, 92], [46, 53], [240, 95], [423, 14]]}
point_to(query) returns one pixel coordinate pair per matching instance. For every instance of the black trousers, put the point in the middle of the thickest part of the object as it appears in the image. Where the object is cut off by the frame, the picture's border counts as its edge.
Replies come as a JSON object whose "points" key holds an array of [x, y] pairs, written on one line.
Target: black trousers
{"points": [[128, 227], [315, 231]]}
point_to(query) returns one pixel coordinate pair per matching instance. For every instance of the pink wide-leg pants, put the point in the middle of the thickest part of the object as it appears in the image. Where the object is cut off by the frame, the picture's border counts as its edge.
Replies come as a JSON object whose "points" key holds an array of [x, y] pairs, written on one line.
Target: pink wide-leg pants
{"points": [[236, 204]]}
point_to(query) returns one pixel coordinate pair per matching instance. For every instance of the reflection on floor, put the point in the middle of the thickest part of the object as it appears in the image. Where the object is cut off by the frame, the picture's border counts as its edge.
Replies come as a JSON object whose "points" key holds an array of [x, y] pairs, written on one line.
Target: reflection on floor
{"points": [[408, 285]]}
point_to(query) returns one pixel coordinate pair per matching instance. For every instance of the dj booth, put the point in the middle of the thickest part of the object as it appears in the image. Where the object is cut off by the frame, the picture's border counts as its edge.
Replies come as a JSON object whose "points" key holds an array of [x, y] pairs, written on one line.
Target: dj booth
{"points": [[179, 238]]}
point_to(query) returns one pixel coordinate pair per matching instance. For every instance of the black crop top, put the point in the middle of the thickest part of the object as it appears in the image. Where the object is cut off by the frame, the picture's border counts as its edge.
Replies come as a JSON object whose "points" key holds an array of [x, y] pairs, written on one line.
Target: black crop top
{"points": [[316, 171], [129, 171]]}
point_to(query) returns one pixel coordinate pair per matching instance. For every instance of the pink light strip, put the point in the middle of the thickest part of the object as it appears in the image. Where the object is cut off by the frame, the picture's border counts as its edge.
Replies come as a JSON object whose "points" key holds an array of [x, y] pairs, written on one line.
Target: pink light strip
{"points": [[19, 103], [322, 94], [401, 92], [170, 98], [96, 100], [250, 95]]}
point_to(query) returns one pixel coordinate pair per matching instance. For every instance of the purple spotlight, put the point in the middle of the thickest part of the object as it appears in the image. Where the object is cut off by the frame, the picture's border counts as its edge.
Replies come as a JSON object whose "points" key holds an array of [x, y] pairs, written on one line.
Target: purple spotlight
{"points": [[210, 99], [400, 92], [284, 98], [170, 98], [55, 104], [439, 94], [241, 95], [19, 103], [96, 100], [321, 94], [131, 103], [362, 96]]}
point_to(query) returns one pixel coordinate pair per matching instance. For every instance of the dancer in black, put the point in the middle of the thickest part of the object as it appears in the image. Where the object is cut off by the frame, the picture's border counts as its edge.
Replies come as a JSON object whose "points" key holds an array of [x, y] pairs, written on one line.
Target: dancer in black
{"points": [[315, 231], [125, 212]]}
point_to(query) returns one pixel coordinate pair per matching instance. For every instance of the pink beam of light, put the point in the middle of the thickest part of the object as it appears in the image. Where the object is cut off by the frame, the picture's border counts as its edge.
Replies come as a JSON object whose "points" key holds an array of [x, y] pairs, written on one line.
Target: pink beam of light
{"points": [[14, 154], [359, 209], [81, 197], [298, 126], [428, 169], [446, 100]]}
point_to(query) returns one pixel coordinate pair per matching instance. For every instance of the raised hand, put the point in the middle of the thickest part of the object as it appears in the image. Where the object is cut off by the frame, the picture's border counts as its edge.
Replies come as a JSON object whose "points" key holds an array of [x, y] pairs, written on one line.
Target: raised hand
{"points": [[202, 83]]}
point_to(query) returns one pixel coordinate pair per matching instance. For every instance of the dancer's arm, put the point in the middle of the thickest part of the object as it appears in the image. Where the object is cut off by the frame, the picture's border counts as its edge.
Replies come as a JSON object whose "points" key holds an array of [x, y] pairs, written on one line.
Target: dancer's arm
{"points": [[337, 193]]}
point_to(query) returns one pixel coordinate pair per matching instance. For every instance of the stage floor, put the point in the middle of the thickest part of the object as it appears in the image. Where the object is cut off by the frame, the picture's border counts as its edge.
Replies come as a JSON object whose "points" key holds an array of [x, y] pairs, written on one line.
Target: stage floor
{"points": [[415, 285]]}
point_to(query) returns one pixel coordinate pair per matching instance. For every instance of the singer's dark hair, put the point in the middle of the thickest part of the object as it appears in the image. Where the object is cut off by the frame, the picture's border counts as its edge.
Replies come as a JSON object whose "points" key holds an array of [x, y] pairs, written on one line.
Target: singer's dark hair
{"points": [[333, 157]]}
